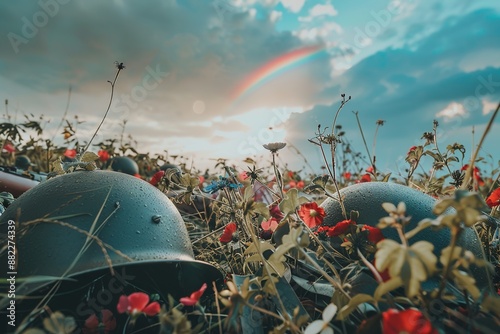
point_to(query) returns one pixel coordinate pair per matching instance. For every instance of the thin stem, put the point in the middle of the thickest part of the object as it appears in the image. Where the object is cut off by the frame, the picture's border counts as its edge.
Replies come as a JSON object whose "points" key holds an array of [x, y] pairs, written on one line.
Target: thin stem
{"points": [[455, 231], [468, 172], [107, 110], [363, 137], [278, 177]]}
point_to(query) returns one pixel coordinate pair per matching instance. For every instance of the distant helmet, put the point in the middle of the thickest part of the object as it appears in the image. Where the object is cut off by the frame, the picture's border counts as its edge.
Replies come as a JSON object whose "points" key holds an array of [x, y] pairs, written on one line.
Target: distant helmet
{"points": [[124, 165], [165, 167], [80, 215], [23, 162]]}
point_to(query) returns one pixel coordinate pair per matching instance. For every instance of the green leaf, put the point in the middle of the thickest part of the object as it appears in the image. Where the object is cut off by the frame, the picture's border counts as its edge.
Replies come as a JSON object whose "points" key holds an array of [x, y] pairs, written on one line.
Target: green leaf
{"points": [[89, 157], [445, 255], [422, 225], [387, 287], [467, 282], [290, 203], [353, 304]]}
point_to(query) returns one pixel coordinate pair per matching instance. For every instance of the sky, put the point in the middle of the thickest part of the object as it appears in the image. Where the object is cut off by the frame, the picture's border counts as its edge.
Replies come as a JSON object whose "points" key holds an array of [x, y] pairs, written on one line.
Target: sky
{"points": [[220, 78]]}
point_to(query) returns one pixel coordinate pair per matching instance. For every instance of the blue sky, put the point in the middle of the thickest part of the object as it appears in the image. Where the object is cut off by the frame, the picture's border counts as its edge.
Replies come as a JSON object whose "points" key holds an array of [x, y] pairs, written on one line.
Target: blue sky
{"points": [[404, 62]]}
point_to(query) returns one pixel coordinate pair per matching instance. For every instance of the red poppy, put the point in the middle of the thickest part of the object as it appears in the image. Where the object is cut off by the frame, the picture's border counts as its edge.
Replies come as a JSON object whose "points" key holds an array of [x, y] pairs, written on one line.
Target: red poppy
{"points": [[227, 235], [494, 198], [365, 178], [374, 234], [476, 173], [9, 147], [347, 175], [290, 174], [407, 321], [195, 296], [243, 176], [370, 169], [103, 155], [93, 326], [276, 213], [300, 184], [292, 184], [413, 148], [136, 303], [268, 227], [312, 214], [70, 153], [157, 178], [385, 274], [340, 228]]}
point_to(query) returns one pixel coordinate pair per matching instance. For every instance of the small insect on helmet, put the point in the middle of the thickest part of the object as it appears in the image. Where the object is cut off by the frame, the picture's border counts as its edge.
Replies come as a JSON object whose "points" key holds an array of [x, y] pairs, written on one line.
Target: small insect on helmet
{"points": [[124, 165], [87, 237]]}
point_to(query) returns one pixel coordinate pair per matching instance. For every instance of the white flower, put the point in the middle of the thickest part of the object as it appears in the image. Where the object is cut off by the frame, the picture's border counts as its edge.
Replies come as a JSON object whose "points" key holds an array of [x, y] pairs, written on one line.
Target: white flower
{"points": [[323, 326], [274, 147]]}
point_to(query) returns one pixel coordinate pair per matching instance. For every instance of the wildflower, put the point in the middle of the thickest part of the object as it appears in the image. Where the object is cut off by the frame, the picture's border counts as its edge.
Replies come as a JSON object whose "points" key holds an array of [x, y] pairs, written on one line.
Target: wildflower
{"points": [[340, 228], [9, 147], [374, 234], [201, 178], [137, 303], [276, 213], [347, 175], [105, 323], [370, 170], [397, 215], [413, 148], [194, 297], [407, 321], [223, 182], [365, 178], [243, 176], [494, 198], [323, 326], [268, 227], [157, 178], [70, 153], [300, 184], [476, 173], [103, 155], [274, 147], [311, 214], [228, 233]]}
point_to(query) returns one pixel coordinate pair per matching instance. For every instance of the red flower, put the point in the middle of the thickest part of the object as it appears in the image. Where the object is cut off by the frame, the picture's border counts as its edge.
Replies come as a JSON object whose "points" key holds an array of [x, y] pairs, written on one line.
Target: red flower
{"points": [[312, 214], [300, 184], [476, 173], [374, 234], [136, 303], [340, 228], [70, 153], [370, 169], [276, 213], [494, 198], [365, 178], [202, 179], [227, 235], [243, 176], [292, 184], [157, 178], [195, 296], [103, 155], [269, 225], [347, 175], [137, 175], [413, 148], [407, 321], [93, 326], [9, 147]]}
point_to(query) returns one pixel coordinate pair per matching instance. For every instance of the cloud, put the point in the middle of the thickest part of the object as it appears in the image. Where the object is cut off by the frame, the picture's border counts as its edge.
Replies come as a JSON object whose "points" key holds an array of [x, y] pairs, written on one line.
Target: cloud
{"points": [[451, 111], [410, 86], [294, 6], [320, 10]]}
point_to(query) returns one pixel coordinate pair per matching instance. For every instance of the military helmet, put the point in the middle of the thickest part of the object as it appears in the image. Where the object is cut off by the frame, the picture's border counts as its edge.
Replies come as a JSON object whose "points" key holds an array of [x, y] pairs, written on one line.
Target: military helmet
{"points": [[78, 226], [124, 165]]}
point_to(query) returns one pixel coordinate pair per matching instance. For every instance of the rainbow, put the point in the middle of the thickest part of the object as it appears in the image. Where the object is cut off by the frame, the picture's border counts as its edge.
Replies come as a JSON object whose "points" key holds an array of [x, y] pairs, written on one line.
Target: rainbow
{"points": [[274, 68]]}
